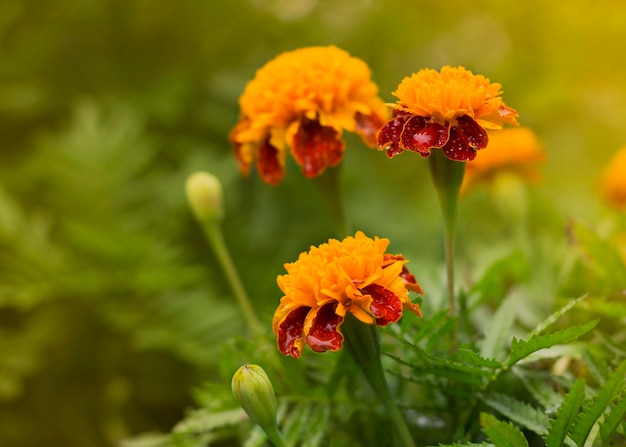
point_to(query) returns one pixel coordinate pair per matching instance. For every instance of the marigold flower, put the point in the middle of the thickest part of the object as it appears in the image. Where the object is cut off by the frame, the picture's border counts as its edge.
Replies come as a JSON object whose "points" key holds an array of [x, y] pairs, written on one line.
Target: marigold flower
{"points": [[302, 101], [513, 151], [448, 110], [354, 275], [613, 181]]}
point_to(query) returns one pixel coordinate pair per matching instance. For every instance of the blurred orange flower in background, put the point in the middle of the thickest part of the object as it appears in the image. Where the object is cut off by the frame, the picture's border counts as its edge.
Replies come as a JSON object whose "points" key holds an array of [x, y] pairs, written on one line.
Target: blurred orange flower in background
{"points": [[354, 275], [515, 151], [447, 110], [613, 181], [302, 101]]}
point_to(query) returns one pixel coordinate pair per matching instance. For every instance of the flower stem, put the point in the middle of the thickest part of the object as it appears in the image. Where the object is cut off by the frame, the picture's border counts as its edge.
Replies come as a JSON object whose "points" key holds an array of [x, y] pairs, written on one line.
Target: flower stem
{"points": [[329, 185], [363, 344], [275, 436], [214, 235], [447, 176]]}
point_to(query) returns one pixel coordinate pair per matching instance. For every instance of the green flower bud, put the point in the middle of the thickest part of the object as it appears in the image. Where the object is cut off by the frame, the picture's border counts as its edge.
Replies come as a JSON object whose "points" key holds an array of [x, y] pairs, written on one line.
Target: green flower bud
{"points": [[254, 392], [204, 192]]}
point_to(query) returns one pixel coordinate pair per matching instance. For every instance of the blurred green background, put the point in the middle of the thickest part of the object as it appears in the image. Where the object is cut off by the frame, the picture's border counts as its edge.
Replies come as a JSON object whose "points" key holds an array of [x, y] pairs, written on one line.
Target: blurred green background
{"points": [[112, 307]]}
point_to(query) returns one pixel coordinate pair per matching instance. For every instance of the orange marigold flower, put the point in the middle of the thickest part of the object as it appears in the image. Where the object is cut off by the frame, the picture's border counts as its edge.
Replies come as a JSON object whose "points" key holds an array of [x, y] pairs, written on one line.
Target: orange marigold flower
{"points": [[613, 182], [448, 110], [302, 101], [354, 275], [516, 151]]}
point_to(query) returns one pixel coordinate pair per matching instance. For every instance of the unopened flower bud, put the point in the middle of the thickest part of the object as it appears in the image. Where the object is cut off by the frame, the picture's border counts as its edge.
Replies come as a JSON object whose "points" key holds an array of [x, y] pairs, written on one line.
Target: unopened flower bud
{"points": [[204, 192], [254, 392]]}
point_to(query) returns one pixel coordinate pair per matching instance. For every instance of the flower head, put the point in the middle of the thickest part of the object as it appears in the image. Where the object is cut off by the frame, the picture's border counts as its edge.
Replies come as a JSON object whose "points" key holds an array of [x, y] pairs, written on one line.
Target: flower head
{"points": [[448, 110], [302, 101], [512, 151], [354, 275], [613, 182]]}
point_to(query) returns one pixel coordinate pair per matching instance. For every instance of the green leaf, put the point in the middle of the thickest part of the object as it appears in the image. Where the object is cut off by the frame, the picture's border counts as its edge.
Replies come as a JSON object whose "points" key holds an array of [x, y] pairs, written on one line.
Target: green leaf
{"points": [[438, 367], [554, 317], [592, 412], [603, 261], [502, 434], [567, 413], [612, 421], [597, 367], [496, 336], [202, 426], [541, 389], [523, 348], [469, 444], [476, 359], [519, 412]]}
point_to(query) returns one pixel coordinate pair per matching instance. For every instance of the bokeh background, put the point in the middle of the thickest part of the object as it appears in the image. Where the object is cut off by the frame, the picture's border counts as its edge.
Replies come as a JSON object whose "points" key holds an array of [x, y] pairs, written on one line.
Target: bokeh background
{"points": [[112, 307]]}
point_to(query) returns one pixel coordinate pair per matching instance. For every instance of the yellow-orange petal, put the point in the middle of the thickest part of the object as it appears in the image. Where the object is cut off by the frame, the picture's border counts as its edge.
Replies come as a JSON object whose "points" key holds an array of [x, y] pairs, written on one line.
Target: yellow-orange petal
{"points": [[451, 93], [613, 181]]}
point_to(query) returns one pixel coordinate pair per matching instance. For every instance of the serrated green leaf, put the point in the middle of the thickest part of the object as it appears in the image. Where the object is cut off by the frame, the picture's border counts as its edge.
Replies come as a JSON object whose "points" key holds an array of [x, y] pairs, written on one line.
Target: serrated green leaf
{"points": [[500, 433], [497, 335], [567, 413], [554, 317], [612, 421], [519, 412], [600, 402], [523, 348], [476, 359], [438, 367]]}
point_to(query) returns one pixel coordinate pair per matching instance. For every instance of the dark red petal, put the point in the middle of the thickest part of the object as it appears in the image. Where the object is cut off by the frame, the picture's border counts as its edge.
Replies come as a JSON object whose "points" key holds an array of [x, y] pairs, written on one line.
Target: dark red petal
{"points": [[290, 330], [386, 306], [270, 169], [323, 335], [420, 136], [465, 138], [388, 137], [367, 126], [316, 147]]}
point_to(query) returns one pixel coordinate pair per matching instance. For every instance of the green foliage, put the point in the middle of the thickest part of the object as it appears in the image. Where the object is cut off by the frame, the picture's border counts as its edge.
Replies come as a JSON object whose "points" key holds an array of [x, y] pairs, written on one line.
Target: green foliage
{"points": [[566, 414], [593, 410], [502, 433], [521, 349]]}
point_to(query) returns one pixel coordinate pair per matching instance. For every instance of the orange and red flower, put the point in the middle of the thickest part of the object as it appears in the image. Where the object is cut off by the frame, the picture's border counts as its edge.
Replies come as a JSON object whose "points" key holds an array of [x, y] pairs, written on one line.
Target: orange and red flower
{"points": [[448, 110], [354, 275], [514, 151], [301, 102]]}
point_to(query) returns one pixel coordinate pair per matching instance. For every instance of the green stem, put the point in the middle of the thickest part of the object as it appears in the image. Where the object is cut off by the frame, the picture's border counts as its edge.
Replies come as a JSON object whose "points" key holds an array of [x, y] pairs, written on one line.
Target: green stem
{"points": [[275, 436], [363, 344], [214, 235], [329, 185], [447, 176]]}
